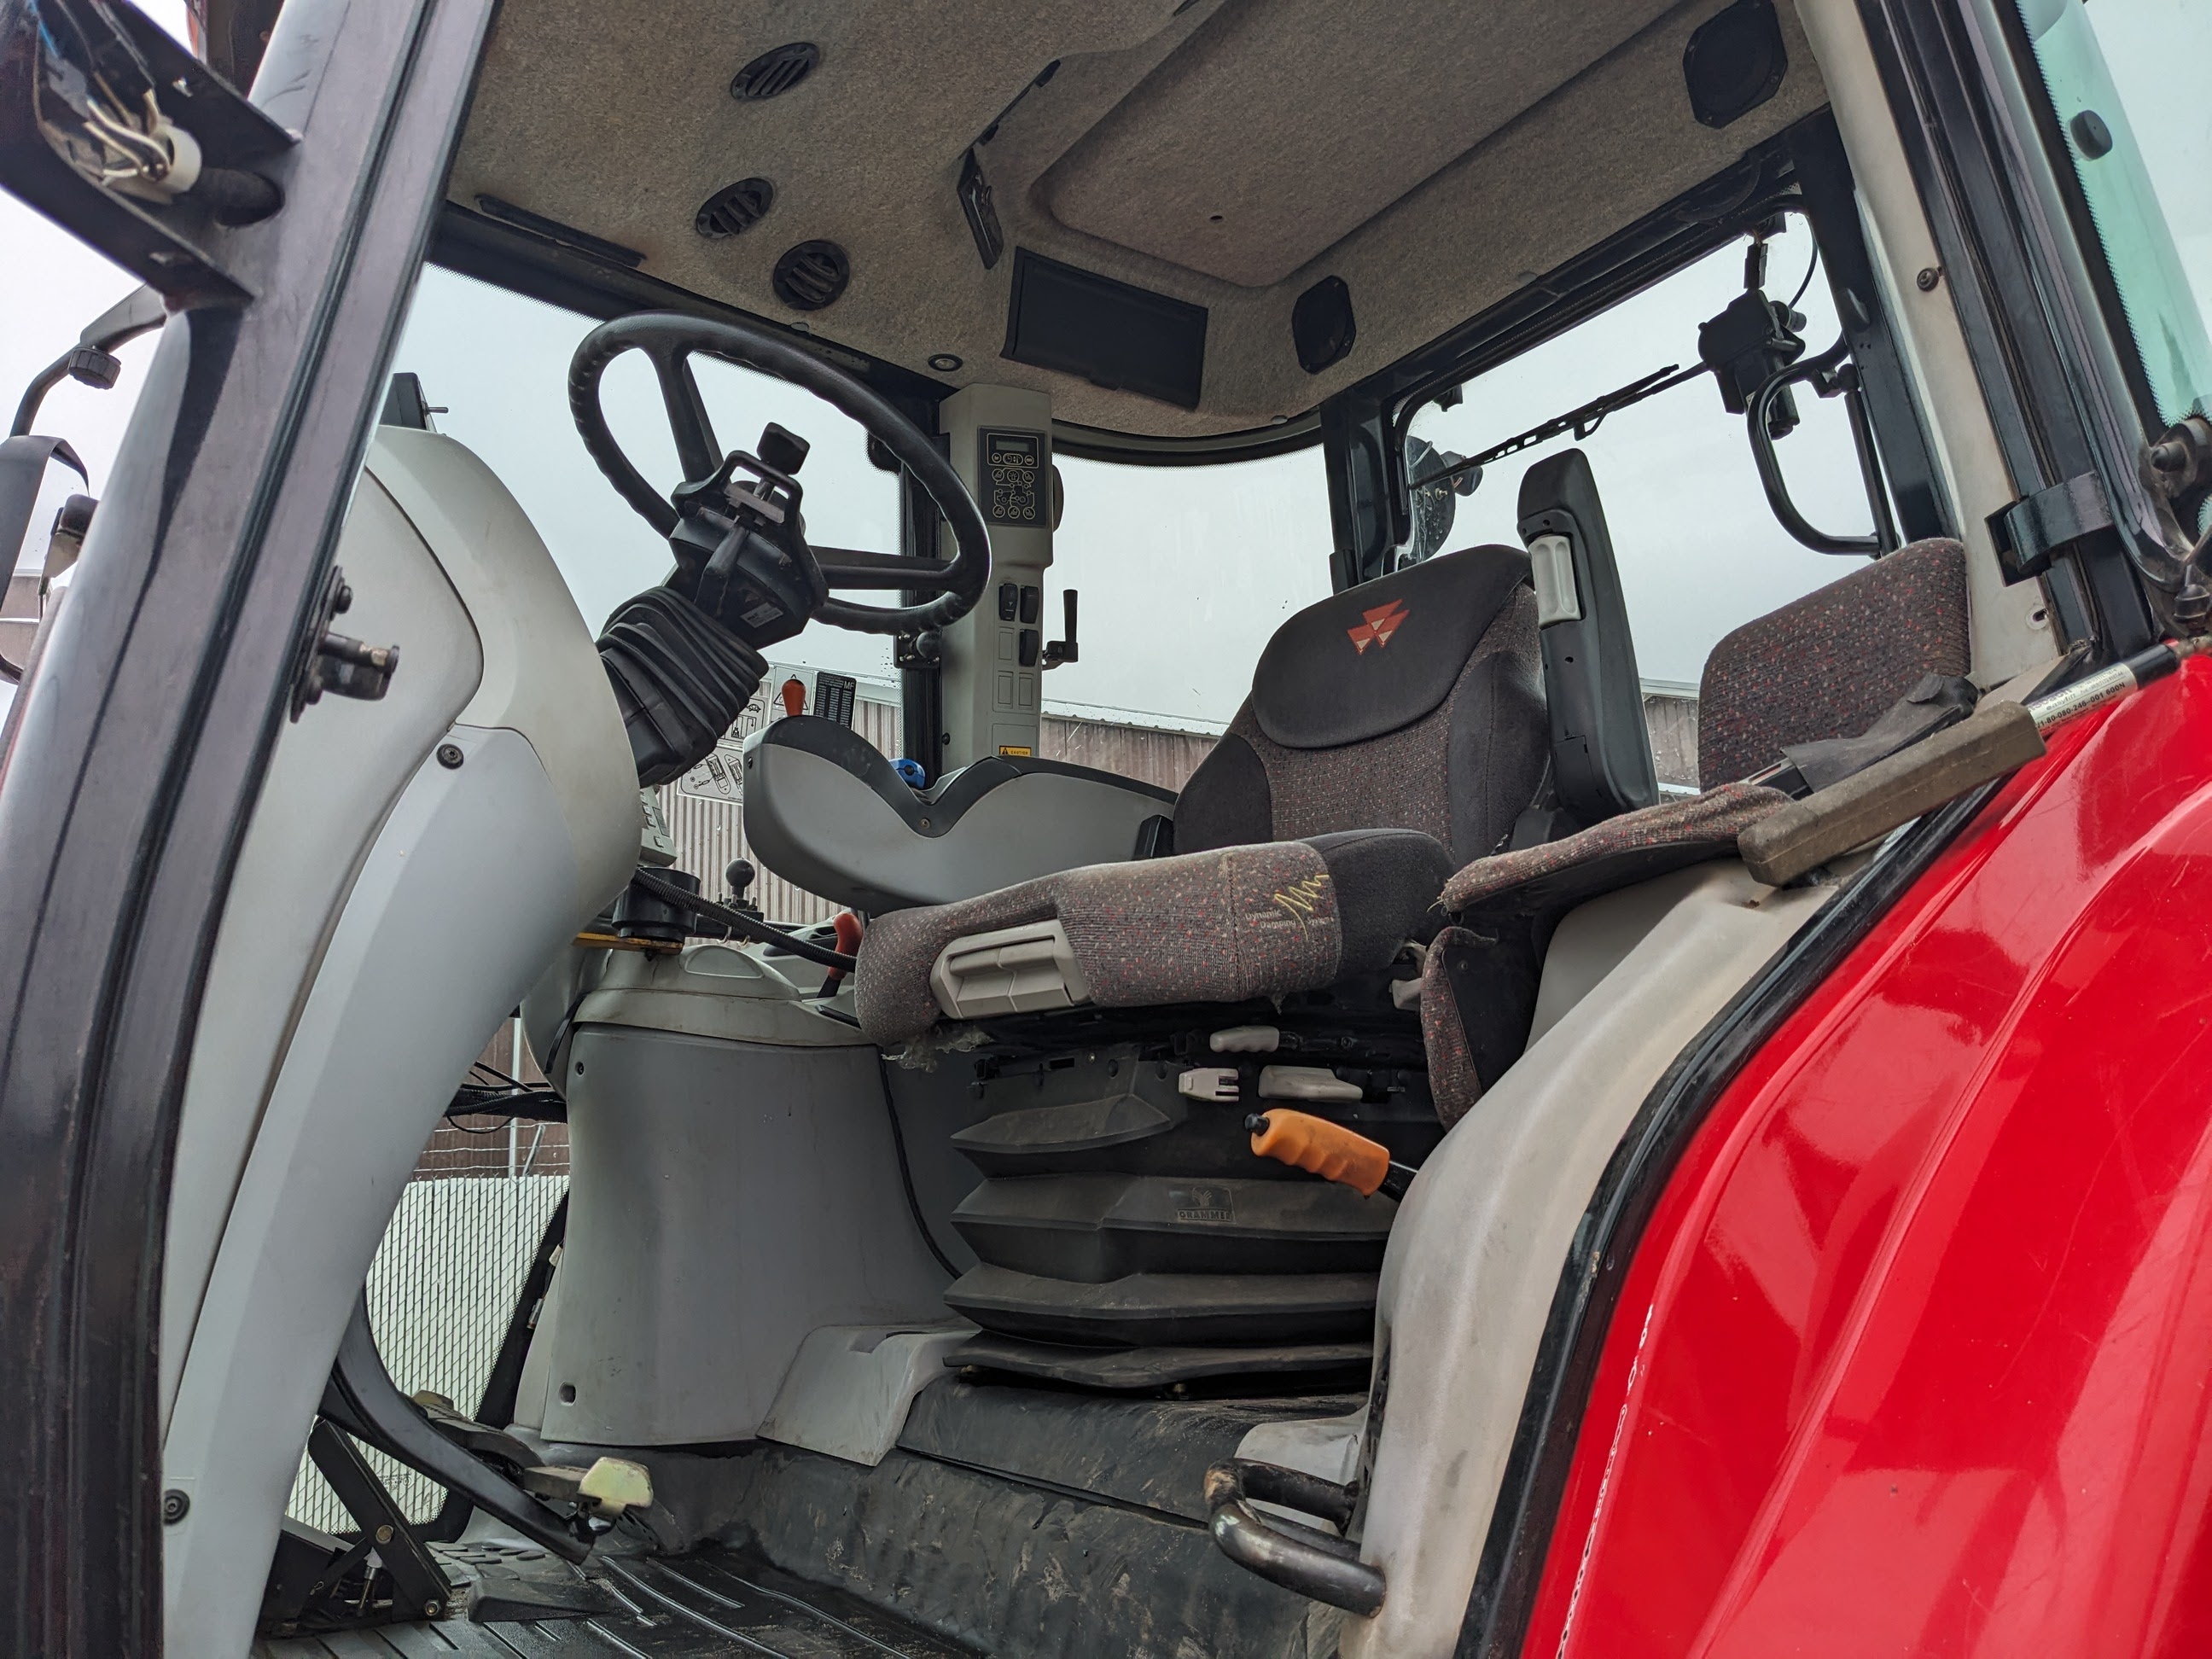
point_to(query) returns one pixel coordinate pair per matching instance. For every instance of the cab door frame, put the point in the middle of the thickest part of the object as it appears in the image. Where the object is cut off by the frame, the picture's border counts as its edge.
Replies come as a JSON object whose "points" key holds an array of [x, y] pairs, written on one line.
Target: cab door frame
{"points": [[136, 753]]}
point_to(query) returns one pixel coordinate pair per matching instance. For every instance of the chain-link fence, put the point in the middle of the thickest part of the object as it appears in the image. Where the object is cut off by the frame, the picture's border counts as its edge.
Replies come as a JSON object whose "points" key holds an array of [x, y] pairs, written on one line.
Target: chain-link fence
{"points": [[441, 1295], [447, 1277]]}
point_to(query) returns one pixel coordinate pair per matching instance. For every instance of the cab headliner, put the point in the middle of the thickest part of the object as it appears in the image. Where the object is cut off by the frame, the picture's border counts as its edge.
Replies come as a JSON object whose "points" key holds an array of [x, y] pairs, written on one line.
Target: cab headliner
{"points": [[1437, 156]]}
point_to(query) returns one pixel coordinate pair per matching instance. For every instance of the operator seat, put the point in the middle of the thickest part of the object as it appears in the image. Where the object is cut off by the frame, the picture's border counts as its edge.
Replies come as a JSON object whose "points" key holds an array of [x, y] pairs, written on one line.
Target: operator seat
{"points": [[1125, 1235], [1394, 732]]}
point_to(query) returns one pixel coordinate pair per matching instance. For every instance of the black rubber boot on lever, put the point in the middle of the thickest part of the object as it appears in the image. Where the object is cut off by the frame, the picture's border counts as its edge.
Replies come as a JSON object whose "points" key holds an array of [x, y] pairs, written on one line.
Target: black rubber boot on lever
{"points": [[684, 658]]}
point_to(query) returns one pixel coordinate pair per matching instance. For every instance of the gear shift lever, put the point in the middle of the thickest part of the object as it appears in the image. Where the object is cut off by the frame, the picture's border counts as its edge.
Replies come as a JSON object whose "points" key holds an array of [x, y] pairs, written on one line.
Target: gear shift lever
{"points": [[1057, 652]]}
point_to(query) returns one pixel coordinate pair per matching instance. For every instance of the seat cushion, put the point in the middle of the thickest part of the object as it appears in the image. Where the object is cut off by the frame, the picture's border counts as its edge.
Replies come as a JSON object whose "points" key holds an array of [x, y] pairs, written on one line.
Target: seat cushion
{"points": [[1832, 662], [1225, 926], [1460, 771]]}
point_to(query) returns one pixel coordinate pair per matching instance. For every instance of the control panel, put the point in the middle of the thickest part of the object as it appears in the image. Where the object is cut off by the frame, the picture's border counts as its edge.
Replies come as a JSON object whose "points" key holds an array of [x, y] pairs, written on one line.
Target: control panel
{"points": [[1010, 465], [993, 658]]}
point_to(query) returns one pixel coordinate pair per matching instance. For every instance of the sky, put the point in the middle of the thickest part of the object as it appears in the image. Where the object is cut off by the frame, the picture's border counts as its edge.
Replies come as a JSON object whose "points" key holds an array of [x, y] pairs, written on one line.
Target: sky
{"points": [[1183, 572]]}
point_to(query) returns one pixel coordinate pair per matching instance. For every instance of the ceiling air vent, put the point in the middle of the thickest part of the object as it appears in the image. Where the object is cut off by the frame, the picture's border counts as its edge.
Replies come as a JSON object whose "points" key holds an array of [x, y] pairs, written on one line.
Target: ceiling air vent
{"points": [[776, 71], [812, 275], [734, 207]]}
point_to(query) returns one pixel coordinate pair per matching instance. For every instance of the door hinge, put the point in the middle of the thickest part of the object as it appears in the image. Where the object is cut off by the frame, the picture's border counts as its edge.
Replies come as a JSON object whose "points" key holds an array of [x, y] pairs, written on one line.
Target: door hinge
{"points": [[337, 663], [2036, 528]]}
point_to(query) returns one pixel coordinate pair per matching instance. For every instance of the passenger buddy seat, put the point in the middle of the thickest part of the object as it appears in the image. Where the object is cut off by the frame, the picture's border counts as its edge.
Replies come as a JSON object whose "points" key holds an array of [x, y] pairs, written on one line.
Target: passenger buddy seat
{"points": [[1824, 667], [1130, 1015]]}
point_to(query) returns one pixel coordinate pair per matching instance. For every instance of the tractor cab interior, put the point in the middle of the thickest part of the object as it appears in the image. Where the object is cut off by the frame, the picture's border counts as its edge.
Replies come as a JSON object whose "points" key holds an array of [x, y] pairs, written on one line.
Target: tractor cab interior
{"points": [[1132, 1225]]}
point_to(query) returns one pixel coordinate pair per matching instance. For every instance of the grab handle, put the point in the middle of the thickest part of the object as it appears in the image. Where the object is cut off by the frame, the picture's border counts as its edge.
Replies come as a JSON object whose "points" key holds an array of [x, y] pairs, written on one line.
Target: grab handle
{"points": [[1297, 1557]]}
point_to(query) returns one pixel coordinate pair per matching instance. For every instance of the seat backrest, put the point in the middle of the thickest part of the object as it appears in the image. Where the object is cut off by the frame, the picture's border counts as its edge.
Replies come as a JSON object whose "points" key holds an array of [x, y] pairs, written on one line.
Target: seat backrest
{"points": [[1828, 665], [1601, 748], [1408, 702]]}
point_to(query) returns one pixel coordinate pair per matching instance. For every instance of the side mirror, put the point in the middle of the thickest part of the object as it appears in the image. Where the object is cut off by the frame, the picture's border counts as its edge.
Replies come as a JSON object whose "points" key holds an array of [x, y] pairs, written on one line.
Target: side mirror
{"points": [[92, 359], [42, 515]]}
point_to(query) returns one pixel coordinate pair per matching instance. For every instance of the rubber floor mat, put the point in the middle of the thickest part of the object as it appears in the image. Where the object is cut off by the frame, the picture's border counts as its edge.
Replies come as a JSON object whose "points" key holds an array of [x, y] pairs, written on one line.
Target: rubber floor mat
{"points": [[708, 1604]]}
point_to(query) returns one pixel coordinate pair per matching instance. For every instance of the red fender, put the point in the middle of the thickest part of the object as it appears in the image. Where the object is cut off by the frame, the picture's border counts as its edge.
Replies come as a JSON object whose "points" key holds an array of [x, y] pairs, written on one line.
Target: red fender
{"points": [[1915, 1354]]}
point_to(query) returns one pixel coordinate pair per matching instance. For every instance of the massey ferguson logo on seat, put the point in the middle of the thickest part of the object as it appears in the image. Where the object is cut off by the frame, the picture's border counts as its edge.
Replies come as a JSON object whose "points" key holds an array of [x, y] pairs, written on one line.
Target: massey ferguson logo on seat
{"points": [[1379, 625]]}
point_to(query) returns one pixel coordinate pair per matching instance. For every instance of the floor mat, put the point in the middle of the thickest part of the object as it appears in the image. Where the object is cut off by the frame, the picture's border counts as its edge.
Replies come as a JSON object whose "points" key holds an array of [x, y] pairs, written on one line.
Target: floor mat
{"points": [[707, 1606]]}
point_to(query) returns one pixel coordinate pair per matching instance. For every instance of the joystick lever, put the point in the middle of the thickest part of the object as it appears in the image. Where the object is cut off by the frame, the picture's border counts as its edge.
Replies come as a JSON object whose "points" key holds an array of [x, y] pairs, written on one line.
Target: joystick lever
{"points": [[1057, 652]]}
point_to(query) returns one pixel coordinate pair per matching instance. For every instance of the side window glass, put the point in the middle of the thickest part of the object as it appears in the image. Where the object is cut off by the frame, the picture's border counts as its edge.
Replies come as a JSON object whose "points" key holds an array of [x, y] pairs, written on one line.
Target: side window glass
{"points": [[1700, 549], [2126, 79], [1184, 572]]}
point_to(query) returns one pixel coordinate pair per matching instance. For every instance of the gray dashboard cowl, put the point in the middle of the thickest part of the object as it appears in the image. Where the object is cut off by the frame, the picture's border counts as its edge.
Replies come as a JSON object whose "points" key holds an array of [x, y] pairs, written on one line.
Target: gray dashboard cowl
{"points": [[824, 810]]}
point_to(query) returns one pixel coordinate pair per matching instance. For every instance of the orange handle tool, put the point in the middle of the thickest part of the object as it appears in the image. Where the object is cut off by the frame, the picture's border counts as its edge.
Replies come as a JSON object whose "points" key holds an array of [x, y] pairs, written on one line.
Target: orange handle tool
{"points": [[1306, 1142]]}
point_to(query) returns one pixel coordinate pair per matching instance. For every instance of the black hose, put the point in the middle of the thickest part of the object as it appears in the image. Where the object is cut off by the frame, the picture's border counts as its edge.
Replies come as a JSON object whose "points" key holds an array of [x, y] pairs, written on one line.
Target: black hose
{"points": [[906, 1172], [736, 921]]}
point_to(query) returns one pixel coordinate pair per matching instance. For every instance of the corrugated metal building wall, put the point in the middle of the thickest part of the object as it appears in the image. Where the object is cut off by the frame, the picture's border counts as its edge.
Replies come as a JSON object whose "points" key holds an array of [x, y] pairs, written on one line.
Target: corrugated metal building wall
{"points": [[1670, 715]]}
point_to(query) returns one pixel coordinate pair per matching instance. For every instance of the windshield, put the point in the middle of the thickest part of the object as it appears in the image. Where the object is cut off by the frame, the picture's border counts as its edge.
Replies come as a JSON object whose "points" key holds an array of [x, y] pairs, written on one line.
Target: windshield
{"points": [[1183, 572]]}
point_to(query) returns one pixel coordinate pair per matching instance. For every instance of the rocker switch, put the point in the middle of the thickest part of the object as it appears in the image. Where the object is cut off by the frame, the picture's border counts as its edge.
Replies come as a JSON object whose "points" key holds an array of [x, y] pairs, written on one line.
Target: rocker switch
{"points": [[1032, 598], [1026, 650], [1009, 599]]}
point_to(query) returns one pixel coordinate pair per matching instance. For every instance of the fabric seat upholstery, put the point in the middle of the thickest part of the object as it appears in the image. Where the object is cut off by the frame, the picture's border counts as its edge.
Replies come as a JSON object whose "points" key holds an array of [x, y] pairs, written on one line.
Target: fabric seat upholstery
{"points": [[1226, 926], [1413, 701], [1394, 731], [1828, 665]]}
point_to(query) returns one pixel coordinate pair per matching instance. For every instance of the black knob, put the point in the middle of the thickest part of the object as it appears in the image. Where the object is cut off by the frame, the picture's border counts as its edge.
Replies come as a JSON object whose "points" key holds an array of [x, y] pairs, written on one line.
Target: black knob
{"points": [[739, 875], [784, 450]]}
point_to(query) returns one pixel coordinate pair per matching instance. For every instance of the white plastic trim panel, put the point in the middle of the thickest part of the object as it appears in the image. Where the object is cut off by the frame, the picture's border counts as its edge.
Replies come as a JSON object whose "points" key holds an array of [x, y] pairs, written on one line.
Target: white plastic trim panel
{"points": [[850, 1387], [725, 1199], [1479, 1244], [2007, 637], [713, 990], [1552, 563], [542, 674], [334, 777], [1590, 942], [1009, 970], [465, 896]]}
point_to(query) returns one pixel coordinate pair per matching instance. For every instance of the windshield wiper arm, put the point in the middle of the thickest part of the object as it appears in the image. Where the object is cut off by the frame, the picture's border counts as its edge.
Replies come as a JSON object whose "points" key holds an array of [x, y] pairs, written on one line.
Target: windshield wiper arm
{"points": [[1580, 422]]}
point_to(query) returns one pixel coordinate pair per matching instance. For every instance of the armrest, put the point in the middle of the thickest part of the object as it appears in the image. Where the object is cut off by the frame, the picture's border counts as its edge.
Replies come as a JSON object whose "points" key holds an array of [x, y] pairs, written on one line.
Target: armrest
{"points": [[1618, 852]]}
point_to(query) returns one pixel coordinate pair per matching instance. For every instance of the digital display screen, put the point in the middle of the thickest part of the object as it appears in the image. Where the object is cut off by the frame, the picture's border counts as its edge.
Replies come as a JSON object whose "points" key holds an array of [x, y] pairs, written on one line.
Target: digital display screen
{"points": [[1012, 466]]}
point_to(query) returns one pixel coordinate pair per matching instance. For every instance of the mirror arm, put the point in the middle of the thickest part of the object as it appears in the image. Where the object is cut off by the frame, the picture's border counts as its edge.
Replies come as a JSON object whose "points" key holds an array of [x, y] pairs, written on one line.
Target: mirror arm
{"points": [[1820, 370]]}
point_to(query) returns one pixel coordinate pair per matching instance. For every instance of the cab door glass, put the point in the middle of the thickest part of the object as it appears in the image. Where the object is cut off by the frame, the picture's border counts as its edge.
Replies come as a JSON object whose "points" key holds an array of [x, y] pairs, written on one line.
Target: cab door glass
{"points": [[1699, 550], [2128, 81]]}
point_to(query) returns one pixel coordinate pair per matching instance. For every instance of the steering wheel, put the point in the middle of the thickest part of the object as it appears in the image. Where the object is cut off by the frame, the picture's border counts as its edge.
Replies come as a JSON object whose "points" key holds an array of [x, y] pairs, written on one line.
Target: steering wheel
{"points": [[693, 516]]}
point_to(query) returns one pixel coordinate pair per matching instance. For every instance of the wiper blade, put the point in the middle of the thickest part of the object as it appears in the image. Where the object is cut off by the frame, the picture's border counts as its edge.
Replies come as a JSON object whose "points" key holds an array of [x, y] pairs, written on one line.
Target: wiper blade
{"points": [[1580, 422]]}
